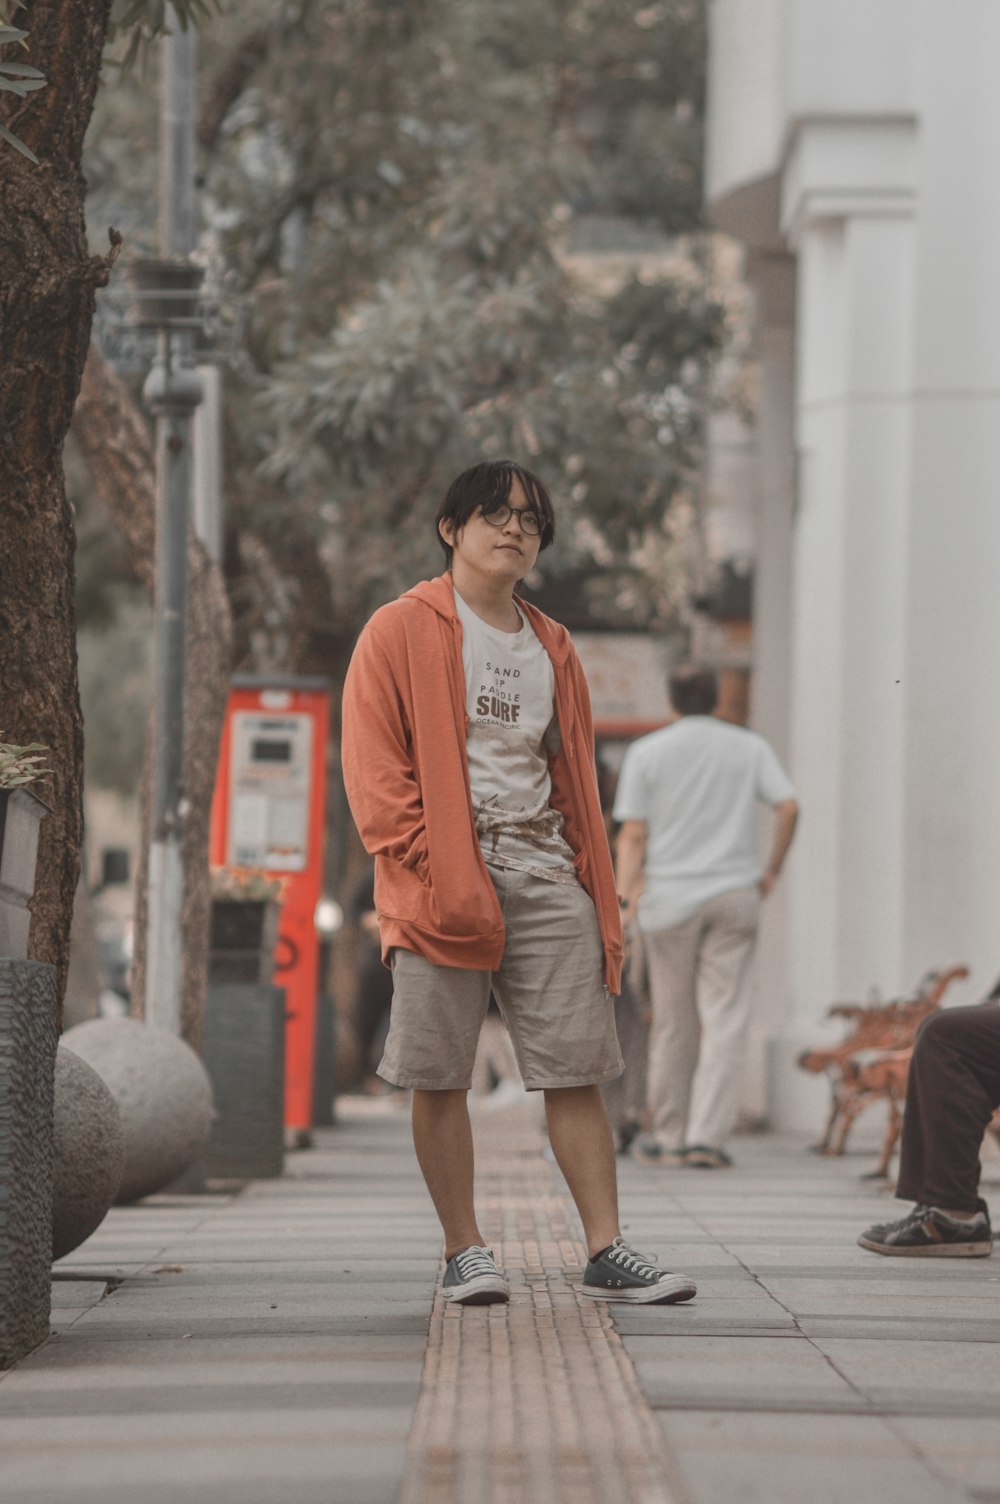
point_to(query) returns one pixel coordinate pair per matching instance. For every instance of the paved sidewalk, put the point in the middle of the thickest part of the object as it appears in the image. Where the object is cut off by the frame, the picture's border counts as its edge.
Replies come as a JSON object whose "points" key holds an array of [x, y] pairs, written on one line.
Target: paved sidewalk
{"points": [[283, 1343], [809, 1369]]}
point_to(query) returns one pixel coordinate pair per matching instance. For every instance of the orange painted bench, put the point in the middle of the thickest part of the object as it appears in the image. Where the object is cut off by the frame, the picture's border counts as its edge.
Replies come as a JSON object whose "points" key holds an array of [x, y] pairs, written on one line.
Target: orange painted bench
{"points": [[871, 1062]]}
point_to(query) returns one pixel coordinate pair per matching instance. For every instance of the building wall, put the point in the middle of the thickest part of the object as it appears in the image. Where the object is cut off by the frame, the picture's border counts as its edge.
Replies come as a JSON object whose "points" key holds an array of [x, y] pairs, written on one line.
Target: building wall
{"points": [[863, 184]]}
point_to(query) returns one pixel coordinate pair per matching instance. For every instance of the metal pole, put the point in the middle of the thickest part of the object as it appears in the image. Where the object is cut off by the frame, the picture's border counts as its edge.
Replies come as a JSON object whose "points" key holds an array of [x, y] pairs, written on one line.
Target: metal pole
{"points": [[178, 214], [172, 391], [206, 517]]}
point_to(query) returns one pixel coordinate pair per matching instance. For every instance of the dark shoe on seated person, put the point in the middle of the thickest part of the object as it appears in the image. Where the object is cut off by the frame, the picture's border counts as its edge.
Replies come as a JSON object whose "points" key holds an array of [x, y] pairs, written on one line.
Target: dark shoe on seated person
{"points": [[928, 1232], [620, 1273]]}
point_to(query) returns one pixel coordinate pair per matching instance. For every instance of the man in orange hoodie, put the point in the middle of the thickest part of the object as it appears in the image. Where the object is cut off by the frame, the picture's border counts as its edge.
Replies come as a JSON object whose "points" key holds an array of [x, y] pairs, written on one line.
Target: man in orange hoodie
{"points": [[468, 755]]}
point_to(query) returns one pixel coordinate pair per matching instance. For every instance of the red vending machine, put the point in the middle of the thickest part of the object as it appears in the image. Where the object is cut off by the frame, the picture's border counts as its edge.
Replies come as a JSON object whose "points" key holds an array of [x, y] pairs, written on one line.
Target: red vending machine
{"points": [[269, 812]]}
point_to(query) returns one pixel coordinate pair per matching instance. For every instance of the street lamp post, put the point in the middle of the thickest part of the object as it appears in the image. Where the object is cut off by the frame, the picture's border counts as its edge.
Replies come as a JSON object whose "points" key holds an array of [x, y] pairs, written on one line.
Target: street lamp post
{"points": [[166, 298]]}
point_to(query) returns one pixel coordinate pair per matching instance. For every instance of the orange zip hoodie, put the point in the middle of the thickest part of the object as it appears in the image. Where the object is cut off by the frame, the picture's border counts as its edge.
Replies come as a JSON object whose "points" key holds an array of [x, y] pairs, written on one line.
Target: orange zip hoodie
{"points": [[407, 778]]}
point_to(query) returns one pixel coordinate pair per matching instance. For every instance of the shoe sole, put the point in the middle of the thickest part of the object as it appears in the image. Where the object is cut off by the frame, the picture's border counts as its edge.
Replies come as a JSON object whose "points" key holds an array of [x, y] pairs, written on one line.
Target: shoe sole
{"points": [[669, 1160], [931, 1250], [651, 1295], [487, 1290]]}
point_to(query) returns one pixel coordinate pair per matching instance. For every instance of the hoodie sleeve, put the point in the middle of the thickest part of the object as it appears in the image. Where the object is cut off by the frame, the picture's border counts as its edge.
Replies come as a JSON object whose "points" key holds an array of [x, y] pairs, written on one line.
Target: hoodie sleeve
{"points": [[584, 712], [382, 788]]}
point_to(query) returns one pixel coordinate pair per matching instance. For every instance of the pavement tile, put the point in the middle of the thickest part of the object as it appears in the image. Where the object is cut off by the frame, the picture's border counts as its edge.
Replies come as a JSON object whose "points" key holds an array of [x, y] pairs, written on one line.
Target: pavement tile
{"points": [[785, 1459], [113, 1360], [901, 1329], [363, 1394], [704, 1371], [920, 1377], [965, 1449]]}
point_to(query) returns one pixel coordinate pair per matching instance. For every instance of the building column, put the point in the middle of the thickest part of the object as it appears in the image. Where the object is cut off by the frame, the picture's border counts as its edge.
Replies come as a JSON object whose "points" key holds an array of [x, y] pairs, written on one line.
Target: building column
{"points": [[854, 420], [772, 280]]}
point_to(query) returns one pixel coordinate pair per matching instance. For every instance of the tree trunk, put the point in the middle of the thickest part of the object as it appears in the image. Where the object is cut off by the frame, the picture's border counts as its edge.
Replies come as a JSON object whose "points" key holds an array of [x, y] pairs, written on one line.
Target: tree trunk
{"points": [[116, 443], [48, 281]]}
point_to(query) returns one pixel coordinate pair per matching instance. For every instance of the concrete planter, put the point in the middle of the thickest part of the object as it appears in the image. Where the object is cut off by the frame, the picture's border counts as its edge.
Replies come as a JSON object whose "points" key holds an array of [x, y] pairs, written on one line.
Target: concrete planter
{"points": [[21, 815], [244, 1054], [242, 938], [27, 1072]]}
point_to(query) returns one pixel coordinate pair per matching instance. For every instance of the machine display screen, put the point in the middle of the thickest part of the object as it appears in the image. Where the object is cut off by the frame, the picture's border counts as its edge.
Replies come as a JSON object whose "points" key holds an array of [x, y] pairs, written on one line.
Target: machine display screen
{"points": [[271, 751], [269, 792]]}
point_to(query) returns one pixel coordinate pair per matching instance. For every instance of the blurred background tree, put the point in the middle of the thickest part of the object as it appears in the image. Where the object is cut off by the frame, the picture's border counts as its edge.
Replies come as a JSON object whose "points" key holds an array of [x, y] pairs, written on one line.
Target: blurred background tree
{"points": [[50, 66], [392, 193], [399, 198]]}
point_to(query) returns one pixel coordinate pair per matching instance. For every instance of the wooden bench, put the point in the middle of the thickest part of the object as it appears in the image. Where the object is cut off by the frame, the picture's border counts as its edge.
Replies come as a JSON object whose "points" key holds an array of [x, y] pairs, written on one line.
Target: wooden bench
{"points": [[872, 1061]]}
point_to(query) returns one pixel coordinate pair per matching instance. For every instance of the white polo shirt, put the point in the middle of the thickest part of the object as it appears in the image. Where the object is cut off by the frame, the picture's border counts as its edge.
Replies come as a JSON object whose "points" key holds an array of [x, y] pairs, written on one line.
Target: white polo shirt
{"points": [[696, 784]]}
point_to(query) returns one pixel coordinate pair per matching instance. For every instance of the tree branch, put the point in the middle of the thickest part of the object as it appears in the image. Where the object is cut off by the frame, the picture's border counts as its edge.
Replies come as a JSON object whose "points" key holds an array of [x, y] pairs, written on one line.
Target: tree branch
{"points": [[229, 83], [118, 449]]}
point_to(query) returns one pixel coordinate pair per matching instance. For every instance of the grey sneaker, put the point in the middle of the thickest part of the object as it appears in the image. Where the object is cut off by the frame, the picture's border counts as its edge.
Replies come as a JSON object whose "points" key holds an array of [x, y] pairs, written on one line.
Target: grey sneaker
{"points": [[472, 1278], [928, 1232], [621, 1273]]}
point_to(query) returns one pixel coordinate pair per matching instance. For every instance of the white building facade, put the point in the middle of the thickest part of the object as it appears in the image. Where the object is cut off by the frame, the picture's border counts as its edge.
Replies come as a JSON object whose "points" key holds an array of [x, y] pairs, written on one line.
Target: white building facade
{"points": [[853, 147]]}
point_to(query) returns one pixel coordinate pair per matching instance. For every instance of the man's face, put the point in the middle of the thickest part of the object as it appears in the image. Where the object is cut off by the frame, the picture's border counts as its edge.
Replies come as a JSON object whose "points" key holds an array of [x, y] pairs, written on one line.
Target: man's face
{"points": [[495, 552]]}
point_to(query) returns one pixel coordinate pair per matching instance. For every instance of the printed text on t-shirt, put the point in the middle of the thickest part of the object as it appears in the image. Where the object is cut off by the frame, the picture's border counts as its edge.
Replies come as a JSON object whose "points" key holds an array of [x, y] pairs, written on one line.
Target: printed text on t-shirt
{"points": [[497, 704]]}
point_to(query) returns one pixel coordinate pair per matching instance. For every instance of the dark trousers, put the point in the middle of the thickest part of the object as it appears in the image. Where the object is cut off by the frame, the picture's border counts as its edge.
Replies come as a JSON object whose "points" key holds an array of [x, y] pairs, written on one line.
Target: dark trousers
{"points": [[952, 1091]]}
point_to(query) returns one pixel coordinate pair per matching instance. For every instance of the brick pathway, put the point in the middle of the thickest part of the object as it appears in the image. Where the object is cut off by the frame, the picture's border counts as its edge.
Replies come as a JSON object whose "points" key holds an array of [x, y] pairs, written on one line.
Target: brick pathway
{"points": [[536, 1400]]}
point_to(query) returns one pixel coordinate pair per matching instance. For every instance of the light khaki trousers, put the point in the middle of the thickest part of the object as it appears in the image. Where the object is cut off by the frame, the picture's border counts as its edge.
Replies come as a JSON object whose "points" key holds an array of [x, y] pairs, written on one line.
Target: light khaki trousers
{"points": [[699, 975]]}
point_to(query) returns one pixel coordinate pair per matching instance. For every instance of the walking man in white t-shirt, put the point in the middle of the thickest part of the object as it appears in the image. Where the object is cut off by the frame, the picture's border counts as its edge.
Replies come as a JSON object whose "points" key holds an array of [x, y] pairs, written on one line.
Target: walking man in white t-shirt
{"points": [[690, 879]]}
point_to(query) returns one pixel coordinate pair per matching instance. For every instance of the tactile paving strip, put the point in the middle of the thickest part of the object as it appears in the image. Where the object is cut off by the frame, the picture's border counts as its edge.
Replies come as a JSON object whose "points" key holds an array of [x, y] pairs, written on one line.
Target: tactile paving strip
{"points": [[535, 1402]]}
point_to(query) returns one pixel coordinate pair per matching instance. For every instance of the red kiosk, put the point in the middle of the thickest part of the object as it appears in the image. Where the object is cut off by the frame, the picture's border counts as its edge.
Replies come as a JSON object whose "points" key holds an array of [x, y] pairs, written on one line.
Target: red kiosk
{"points": [[269, 811]]}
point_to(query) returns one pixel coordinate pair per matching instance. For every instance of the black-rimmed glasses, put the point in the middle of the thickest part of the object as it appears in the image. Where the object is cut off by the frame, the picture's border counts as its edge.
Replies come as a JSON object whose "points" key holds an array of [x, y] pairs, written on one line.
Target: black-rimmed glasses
{"points": [[530, 521]]}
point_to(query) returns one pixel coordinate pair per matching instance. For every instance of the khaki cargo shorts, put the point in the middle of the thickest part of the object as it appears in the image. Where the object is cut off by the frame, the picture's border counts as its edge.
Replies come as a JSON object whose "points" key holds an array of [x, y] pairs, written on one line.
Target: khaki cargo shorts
{"points": [[549, 989]]}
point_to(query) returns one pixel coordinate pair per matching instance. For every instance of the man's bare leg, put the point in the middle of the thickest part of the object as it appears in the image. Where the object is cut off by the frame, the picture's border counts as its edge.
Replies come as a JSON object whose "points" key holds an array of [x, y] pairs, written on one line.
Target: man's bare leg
{"points": [[442, 1137], [582, 1143]]}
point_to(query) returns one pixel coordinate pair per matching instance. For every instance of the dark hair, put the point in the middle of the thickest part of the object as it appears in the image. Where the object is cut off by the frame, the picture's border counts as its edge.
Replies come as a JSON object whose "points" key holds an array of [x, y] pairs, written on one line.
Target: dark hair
{"points": [[487, 486], [694, 689]]}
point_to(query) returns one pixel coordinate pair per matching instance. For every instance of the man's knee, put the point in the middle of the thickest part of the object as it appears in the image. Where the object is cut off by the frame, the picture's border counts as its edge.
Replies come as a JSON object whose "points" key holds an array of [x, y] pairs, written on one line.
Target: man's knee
{"points": [[939, 1030]]}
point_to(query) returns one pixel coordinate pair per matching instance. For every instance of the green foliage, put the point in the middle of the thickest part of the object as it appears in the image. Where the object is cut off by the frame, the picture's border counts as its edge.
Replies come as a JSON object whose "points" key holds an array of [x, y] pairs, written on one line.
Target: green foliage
{"points": [[19, 79], [20, 766], [399, 207], [140, 22], [245, 885]]}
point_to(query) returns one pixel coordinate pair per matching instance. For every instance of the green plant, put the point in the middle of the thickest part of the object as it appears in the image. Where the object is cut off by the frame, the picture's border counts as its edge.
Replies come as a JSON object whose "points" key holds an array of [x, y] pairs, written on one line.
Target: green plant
{"points": [[245, 885], [21, 765]]}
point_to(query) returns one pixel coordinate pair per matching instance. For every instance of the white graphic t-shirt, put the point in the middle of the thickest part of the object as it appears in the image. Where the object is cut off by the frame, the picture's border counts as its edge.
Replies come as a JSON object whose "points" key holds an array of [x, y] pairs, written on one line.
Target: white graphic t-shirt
{"points": [[510, 700]]}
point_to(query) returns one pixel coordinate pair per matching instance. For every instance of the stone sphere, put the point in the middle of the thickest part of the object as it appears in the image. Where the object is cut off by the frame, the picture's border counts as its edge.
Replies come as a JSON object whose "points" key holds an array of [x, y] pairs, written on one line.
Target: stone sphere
{"points": [[89, 1151], [163, 1094]]}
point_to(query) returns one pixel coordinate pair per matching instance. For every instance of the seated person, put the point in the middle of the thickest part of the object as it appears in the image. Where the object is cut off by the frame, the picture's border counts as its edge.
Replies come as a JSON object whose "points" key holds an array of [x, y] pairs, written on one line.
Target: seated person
{"points": [[952, 1091]]}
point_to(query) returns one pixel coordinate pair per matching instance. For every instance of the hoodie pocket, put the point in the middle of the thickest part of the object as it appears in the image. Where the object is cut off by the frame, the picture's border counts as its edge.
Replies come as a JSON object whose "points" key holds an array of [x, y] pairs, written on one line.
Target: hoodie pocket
{"points": [[399, 892], [466, 905]]}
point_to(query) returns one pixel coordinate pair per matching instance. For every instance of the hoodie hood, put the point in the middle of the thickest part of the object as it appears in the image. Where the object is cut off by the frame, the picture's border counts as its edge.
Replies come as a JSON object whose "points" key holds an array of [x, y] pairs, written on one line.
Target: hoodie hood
{"points": [[439, 595]]}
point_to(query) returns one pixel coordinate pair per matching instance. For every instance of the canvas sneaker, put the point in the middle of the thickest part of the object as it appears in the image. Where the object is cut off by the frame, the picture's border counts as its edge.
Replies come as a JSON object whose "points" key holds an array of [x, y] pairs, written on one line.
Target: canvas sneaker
{"points": [[472, 1278], [928, 1232], [622, 1273]]}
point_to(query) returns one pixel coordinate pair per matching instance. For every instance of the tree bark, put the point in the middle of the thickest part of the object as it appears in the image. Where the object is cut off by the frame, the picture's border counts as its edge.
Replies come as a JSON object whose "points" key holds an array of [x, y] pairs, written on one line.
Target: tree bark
{"points": [[116, 443], [48, 282]]}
